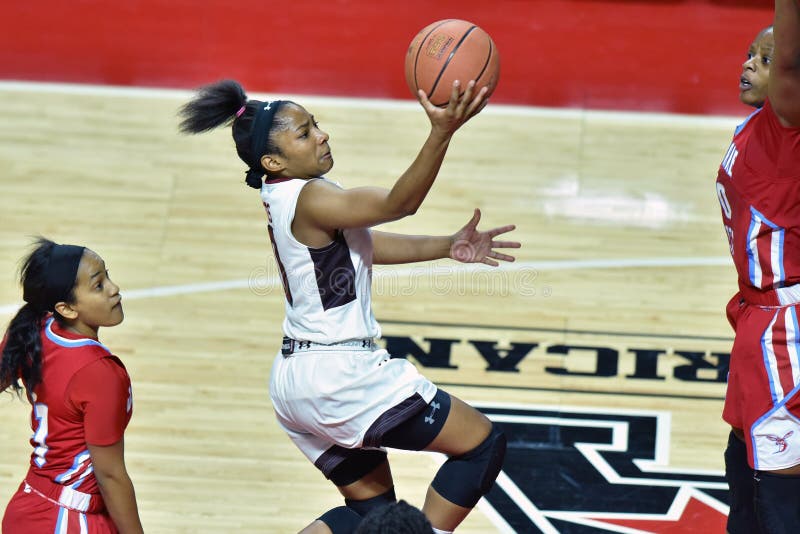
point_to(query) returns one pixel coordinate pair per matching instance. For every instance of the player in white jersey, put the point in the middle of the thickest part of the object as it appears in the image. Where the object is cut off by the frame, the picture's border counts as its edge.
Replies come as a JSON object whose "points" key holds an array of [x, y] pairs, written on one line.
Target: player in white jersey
{"points": [[339, 396]]}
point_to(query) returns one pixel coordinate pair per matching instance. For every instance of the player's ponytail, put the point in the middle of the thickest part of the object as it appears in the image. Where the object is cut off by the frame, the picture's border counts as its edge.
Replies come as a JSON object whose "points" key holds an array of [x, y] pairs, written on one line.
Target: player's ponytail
{"points": [[22, 344], [252, 121], [214, 105]]}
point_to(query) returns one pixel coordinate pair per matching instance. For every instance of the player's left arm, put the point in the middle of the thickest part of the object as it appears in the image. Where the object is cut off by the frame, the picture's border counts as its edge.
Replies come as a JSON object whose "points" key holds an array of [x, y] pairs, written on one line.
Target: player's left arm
{"points": [[101, 391], [392, 249], [468, 245], [784, 81], [116, 486]]}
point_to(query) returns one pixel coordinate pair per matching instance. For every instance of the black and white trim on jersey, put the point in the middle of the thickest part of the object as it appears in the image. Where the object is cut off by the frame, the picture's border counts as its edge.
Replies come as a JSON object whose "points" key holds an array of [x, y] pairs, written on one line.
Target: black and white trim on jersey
{"points": [[328, 289], [336, 275]]}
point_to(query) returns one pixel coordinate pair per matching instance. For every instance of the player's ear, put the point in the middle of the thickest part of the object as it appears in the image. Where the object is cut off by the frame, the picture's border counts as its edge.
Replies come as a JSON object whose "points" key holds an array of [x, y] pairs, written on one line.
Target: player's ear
{"points": [[66, 311], [273, 164]]}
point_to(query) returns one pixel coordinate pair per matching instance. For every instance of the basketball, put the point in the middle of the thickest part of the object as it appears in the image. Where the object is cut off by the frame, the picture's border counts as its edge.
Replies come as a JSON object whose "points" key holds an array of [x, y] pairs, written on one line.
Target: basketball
{"points": [[449, 50]]}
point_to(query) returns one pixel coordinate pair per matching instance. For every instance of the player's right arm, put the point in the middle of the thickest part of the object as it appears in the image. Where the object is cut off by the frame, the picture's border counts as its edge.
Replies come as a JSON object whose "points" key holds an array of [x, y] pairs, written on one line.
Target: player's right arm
{"points": [[329, 207], [784, 82]]}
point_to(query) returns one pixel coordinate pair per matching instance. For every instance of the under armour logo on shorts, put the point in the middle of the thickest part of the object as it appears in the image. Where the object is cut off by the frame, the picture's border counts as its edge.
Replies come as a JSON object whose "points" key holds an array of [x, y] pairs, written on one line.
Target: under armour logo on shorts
{"points": [[429, 418]]}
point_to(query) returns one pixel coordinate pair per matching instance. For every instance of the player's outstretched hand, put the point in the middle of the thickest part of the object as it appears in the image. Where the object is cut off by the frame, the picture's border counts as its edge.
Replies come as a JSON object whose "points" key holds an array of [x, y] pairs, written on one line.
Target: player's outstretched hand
{"points": [[459, 109], [473, 246]]}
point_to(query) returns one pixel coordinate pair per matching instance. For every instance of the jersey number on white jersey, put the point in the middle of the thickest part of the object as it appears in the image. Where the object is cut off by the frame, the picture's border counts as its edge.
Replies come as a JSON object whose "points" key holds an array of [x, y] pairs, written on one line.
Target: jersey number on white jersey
{"points": [[284, 279]]}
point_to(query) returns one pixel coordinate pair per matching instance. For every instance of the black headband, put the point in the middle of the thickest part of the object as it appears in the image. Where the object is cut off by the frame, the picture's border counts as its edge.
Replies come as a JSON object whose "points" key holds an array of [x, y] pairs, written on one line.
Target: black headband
{"points": [[259, 133], [60, 274]]}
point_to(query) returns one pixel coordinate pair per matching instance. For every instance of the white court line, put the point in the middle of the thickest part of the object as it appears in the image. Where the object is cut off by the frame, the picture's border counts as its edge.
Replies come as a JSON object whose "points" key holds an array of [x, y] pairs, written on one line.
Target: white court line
{"points": [[436, 269], [639, 117]]}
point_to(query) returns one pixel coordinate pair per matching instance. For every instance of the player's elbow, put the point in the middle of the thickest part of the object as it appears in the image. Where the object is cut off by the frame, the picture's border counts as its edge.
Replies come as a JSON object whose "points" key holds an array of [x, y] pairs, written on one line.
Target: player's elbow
{"points": [[111, 474], [407, 208], [410, 210]]}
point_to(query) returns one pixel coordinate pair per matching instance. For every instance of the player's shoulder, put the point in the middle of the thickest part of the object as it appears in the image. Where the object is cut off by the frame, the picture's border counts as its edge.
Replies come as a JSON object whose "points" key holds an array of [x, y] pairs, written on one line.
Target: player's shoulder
{"points": [[322, 183], [107, 368], [319, 190], [773, 116]]}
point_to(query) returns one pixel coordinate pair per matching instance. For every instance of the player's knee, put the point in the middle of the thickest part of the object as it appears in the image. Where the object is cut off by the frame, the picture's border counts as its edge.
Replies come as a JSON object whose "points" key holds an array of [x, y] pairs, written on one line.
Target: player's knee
{"points": [[364, 506], [464, 479], [776, 502], [341, 520]]}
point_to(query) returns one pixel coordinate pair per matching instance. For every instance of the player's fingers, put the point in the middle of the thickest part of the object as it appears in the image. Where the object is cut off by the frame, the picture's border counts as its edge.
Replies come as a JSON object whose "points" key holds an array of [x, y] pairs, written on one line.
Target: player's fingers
{"points": [[490, 262], [426, 103], [455, 90], [476, 218], [501, 230], [466, 99], [506, 244], [478, 103], [502, 257]]}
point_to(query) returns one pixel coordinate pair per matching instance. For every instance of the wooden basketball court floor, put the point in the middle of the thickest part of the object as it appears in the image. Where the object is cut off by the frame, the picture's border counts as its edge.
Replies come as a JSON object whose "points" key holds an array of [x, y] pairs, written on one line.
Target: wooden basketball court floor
{"points": [[602, 349]]}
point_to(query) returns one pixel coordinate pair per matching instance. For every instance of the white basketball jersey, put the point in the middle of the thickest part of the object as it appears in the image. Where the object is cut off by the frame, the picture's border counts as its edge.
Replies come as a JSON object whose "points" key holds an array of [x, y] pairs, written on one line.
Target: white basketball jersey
{"points": [[327, 289]]}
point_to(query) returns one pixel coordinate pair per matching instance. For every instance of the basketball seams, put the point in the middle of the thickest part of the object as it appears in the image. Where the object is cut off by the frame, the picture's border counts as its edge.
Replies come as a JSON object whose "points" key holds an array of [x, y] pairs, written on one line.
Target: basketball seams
{"points": [[488, 59], [420, 47], [449, 58]]}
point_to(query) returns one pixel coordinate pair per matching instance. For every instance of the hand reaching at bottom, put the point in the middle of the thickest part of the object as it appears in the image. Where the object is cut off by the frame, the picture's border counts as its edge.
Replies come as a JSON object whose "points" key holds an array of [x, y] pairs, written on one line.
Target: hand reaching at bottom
{"points": [[469, 245]]}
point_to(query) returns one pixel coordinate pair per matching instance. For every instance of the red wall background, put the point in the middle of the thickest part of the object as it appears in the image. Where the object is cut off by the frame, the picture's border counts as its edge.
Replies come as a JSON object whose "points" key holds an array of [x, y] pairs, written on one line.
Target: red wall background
{"points": [[657, 55]]}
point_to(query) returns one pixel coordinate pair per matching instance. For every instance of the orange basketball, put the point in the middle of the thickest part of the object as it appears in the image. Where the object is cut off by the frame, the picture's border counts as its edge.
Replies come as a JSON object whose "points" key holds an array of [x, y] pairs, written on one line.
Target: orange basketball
{"points": [[450, 50]]}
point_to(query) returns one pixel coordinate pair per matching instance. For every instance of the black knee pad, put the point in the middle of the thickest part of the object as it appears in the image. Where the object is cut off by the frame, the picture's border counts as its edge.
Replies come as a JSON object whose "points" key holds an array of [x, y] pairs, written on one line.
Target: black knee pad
{"points": [[777, 502], [341, 520], [363, 507], [741, 488], [464, 479], [359, 463]]}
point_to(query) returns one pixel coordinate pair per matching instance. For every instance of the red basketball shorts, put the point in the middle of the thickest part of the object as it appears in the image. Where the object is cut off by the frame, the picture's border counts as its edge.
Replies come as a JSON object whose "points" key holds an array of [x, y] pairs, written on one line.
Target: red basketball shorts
{"points": [[762, 396], [29, 513]]}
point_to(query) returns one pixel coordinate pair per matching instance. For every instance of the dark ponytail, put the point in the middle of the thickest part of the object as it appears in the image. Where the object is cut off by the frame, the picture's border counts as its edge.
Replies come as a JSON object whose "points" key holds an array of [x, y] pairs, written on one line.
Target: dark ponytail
{"points": [[225, 103], [214, 105], [22, 347]]}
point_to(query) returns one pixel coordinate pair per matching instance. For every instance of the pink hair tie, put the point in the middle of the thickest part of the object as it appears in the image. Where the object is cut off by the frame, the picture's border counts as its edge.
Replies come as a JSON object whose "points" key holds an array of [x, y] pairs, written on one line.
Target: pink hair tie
{"points": [[241, 110]]}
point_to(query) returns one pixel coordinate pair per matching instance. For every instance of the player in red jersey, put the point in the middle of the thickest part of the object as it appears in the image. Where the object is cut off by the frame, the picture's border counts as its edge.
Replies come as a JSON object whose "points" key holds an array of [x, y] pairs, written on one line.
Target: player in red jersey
{"points": [[758, 186], [80, 395]]}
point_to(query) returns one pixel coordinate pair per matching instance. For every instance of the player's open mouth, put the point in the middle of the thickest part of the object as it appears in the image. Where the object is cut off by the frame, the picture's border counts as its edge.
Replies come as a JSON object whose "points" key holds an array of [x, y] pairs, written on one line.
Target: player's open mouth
{"points": [[744, 84]]}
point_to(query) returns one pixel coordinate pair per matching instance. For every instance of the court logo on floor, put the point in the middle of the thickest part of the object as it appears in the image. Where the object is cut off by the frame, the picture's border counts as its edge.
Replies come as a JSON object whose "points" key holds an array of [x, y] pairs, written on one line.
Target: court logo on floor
{"points": [[580, 471]]}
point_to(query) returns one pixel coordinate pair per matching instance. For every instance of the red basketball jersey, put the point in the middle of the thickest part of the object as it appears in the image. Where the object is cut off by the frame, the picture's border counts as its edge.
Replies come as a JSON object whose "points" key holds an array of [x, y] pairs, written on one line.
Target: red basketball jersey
{"points": [[758, 185], [84, 397]]}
